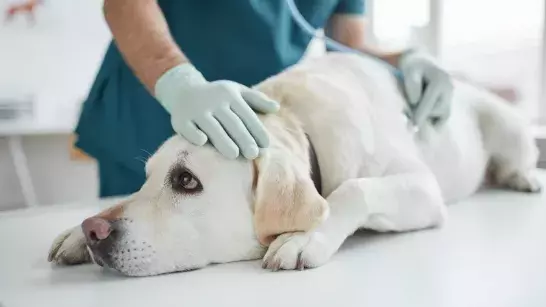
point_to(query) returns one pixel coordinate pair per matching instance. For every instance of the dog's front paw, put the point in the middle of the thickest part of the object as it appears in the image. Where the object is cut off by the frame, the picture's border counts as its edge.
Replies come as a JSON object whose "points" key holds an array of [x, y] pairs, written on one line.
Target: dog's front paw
{"points": [[298, 251], [69, 248]]}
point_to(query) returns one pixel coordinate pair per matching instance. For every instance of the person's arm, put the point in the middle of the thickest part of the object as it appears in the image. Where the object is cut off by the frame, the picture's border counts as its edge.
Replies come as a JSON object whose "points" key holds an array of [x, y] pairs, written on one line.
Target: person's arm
{"points": [[222, 112], [143, 38], [428, 87], [349, 29]]}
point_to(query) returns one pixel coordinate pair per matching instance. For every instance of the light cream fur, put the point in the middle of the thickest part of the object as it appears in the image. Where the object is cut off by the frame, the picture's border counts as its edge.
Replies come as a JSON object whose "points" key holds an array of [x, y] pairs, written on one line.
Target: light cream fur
{"points": [[286, 197]]}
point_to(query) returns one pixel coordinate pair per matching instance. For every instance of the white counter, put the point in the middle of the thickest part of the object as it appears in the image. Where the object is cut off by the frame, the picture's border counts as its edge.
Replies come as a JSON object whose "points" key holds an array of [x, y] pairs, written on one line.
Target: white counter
{"points": [[46, 119], [492, 253]]}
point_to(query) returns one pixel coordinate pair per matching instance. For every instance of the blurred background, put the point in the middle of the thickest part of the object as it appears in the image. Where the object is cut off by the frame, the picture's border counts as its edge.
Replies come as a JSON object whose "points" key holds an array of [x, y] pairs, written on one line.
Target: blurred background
{"points": [[50, 53]]}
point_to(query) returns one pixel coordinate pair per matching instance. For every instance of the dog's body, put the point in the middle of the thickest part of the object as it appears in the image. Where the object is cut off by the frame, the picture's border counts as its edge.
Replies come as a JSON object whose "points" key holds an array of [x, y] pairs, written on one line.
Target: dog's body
{"points": [[358, 136], [377, 173]]}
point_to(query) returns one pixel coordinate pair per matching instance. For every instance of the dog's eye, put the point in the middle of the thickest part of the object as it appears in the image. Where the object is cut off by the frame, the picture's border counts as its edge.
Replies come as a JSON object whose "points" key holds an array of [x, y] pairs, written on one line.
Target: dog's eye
{"points": [[184, 181]]}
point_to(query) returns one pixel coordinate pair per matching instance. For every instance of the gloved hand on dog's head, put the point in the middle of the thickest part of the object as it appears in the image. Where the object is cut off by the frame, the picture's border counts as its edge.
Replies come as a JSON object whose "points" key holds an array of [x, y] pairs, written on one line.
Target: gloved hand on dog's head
{"points": [[220, 111]]}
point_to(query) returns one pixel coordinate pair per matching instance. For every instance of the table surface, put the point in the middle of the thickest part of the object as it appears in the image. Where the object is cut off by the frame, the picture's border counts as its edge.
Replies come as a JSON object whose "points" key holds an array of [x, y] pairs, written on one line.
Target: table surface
{"points": [[492, 252]]}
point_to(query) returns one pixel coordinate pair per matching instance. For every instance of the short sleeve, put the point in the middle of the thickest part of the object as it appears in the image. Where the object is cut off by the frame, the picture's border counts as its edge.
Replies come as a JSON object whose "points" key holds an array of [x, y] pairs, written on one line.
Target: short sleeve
{"points": [[357, 7]]}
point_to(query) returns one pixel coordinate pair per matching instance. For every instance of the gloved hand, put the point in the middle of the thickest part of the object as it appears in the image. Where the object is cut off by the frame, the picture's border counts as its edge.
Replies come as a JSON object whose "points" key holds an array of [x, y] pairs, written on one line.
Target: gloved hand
{"points": [[429, 89], [222, 111]]}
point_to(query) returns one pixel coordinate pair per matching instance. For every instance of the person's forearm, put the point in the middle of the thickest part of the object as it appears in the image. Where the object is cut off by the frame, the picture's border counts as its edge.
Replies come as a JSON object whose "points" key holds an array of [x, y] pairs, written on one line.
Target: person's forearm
{"points": [[142, 36], [350, 31]]}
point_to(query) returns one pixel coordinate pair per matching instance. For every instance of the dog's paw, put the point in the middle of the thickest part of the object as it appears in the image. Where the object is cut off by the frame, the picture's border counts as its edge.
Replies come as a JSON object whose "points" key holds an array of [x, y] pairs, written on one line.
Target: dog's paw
{"points": [[298, 251], [69, 248], [524, 183]]}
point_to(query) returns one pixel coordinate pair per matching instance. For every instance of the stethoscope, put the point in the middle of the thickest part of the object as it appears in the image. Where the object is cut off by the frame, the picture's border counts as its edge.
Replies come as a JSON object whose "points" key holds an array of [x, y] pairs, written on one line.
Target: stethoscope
{"points": [[330, 43], [334, 45]]}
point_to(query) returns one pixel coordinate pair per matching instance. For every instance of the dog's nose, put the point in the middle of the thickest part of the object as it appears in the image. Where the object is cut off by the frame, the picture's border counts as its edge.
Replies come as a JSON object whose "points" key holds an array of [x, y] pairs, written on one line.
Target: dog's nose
{"points": [[96, 229]]}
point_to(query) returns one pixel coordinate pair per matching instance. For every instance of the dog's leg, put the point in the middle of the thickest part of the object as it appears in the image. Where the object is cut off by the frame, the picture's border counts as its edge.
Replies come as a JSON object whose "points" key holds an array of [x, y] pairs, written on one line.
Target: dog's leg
{"points": [[69, 248], [508, 139], [503, 173], [400, 202]]}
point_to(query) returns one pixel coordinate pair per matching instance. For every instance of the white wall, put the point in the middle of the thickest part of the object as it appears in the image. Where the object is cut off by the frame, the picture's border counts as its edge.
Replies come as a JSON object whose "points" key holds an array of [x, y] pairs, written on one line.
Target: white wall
{"points": [[56, 59], [53, 61], [55, 177]]}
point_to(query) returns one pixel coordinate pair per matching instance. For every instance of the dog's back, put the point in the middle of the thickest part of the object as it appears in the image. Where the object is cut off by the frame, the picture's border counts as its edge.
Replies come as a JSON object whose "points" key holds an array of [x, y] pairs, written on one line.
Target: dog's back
{"points": [[352, 110]]}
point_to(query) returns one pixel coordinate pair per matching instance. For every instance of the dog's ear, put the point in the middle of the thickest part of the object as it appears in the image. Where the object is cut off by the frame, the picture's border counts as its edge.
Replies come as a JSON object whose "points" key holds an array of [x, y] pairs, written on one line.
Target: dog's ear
{"points": [[286, 199]]}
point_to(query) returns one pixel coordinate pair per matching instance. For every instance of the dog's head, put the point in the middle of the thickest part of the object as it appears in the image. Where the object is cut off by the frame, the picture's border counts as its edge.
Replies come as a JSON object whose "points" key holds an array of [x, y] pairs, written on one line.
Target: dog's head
{"points": [[197, 208]]}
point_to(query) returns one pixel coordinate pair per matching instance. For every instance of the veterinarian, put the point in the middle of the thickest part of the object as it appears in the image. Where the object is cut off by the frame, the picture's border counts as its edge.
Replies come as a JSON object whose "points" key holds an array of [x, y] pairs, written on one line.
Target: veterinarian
{"points": [[186, 67]]}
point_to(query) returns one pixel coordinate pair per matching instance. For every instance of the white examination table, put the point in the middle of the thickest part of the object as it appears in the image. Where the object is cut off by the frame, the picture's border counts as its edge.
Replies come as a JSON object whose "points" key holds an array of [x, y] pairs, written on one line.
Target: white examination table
{"points": [[492, 253]]}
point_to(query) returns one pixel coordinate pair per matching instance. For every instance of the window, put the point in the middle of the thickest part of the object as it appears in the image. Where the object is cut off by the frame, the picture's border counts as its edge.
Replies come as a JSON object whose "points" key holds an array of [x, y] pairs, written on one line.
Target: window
{"points": [[398, 23], [494, 43]]}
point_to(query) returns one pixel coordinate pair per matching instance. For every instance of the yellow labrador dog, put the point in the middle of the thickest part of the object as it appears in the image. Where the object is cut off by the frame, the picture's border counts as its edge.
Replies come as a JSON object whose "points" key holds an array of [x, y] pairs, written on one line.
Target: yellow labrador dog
{"points": [[342, 158]]}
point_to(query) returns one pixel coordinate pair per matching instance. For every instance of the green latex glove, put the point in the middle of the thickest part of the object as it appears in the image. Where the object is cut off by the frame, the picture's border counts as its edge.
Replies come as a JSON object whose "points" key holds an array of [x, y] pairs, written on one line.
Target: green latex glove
{"points": [[429, 89], [220, 111]]}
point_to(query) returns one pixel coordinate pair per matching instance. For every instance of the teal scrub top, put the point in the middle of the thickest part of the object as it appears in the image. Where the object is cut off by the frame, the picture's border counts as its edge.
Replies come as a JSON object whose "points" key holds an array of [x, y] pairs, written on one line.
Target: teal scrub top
{"points": [[245, 41]]}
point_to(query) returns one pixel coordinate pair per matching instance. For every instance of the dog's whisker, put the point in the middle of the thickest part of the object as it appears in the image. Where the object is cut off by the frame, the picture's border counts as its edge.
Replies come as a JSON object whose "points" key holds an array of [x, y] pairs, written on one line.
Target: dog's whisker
{"points": [[147, 152]]}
